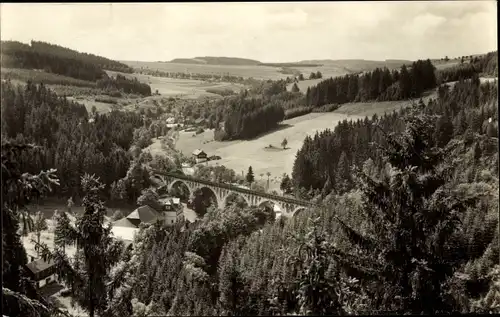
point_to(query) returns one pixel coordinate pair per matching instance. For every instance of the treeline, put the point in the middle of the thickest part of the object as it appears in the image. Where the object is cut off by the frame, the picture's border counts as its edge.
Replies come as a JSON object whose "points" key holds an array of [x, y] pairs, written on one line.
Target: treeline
{"points": [[195, 76], [466, 111], [121, 83], [378, 85], [248, 117], [484, 65], [71, 140]]}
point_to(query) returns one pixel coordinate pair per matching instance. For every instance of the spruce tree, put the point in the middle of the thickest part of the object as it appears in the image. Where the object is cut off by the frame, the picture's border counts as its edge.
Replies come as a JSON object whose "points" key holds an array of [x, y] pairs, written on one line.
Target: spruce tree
{"points": [[295, 88], [413, 218], [250, 177], [19, 296], [98, 251]]}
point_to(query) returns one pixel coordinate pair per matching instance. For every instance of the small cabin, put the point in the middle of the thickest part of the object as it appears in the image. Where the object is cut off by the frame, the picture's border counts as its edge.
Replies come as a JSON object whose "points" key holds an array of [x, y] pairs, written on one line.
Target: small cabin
{"points": [[42, 272], [199, 155]]}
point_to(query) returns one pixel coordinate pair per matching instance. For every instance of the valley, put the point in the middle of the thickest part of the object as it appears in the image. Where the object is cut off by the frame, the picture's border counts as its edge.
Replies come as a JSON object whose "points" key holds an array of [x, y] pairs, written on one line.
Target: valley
{"points": [[389, 151]]}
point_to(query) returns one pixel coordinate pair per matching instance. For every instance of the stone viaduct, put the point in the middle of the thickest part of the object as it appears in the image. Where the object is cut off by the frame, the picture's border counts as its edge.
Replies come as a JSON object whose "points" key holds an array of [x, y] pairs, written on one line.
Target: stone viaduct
{"points": [[288, 206]]}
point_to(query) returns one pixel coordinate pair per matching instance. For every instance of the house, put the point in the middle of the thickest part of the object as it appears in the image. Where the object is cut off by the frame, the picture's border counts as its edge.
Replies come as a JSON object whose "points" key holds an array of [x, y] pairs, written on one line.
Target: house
{"points": [[124, 229], [127, 227], [42, 272], [144, 214], [199, 156], [170, 120], [173, 211], [170, 203]]}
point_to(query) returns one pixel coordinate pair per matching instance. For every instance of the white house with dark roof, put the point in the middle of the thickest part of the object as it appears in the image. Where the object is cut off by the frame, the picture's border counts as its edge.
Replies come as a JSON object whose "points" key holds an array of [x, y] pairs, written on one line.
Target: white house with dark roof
{"points": [[42, 272], [172, 210], [200, 155]]}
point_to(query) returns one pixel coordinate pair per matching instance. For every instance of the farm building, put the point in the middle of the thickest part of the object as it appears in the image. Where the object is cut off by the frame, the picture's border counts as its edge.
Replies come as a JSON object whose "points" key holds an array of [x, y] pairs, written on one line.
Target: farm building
{"points": [[199, 156], [170, 120], [42, 272]]}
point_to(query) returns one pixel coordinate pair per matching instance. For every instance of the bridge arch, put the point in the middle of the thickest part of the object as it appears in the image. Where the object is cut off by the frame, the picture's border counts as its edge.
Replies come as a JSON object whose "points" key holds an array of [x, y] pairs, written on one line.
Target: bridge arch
{"points": [[298, 210], [207, 190], [182, 182], [228, 199], [270, 203]]}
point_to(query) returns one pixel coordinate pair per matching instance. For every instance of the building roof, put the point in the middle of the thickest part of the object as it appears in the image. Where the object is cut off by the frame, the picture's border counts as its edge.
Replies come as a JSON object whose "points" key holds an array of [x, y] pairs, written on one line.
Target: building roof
{"points": [[39, 265], [124, 223], [144, 214], [169, 200], [198, 152], [199, 120]]}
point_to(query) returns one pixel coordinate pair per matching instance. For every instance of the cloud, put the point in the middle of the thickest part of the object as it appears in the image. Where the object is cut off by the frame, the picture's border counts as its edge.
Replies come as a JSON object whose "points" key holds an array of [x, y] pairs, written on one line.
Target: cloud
{"points": [[264, 31]]}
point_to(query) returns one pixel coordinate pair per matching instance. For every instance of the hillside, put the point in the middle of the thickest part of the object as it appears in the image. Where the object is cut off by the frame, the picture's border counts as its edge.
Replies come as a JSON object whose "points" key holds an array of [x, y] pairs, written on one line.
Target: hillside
{"points": [[56, 65], [359, 65], [12, 55], [212, 60]]}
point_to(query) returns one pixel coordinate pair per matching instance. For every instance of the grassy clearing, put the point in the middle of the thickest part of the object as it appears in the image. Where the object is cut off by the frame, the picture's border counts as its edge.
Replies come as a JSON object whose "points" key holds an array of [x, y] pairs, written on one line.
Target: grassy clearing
{"points": [[239, 155], [43, 77], [182, 88]]}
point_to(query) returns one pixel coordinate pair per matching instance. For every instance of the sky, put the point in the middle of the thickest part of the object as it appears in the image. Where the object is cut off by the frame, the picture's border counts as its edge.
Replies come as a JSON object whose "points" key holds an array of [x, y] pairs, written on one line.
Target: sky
{"points": [[268, 32]]}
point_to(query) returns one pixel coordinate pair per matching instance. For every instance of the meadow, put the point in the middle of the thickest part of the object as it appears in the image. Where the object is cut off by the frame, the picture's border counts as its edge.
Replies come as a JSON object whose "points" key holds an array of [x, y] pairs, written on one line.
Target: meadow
{"points": [[239, 155], [182, 88], [245, 71]]}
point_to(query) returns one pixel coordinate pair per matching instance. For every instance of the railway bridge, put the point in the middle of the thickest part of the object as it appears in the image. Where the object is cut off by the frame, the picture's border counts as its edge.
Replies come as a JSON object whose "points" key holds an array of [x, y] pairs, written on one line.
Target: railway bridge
{"points": [[288, 206]]}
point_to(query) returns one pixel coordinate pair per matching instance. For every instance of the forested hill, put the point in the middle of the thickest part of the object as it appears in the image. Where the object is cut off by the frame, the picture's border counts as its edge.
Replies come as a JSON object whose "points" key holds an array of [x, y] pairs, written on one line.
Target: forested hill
{"points": [[383, 84], [55, 59], [22, 55]]}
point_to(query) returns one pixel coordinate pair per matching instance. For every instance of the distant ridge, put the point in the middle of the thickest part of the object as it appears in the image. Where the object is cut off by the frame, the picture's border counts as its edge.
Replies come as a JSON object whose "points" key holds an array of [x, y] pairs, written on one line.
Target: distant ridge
{"points": [[212, 60], [351, 65]]}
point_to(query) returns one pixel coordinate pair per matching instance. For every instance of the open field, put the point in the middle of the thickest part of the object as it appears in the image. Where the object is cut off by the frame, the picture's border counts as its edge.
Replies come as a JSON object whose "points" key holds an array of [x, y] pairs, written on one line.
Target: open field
{"points": [[187, 88], [257, 72], [246, 71], [89, 102], [239, 155]]}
